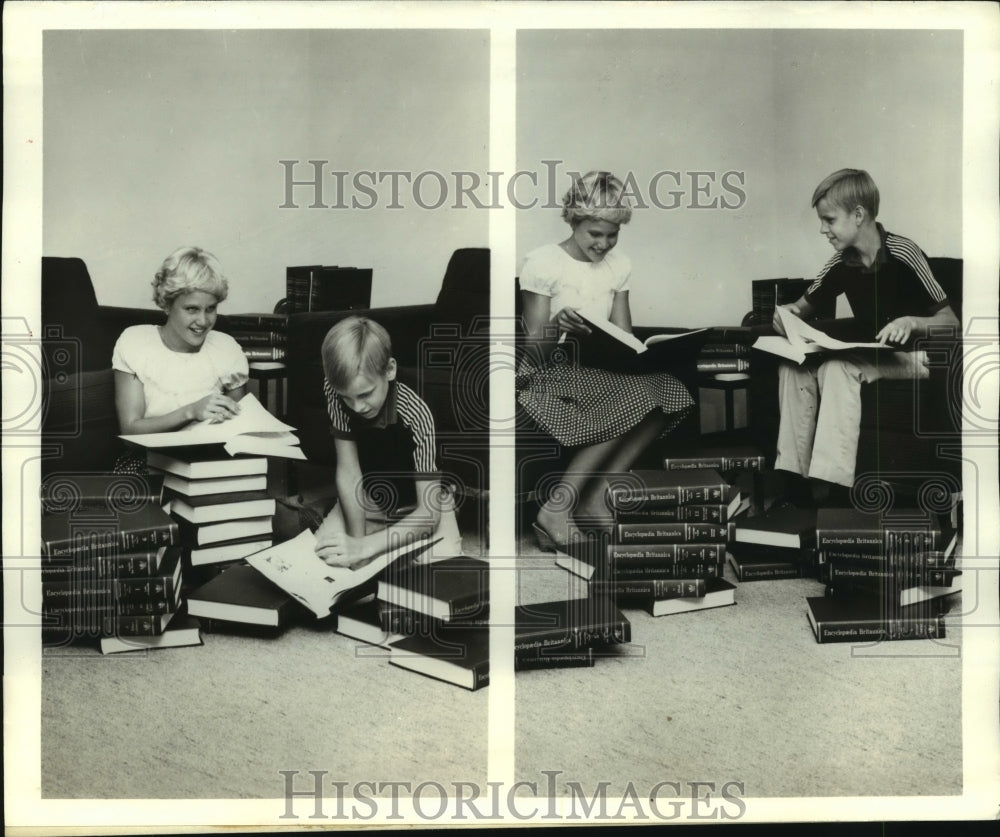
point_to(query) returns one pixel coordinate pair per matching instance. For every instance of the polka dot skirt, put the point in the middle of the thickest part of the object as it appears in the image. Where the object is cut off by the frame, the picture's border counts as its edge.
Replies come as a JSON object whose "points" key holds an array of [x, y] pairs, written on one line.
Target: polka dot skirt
{"points": [[580, 405]]}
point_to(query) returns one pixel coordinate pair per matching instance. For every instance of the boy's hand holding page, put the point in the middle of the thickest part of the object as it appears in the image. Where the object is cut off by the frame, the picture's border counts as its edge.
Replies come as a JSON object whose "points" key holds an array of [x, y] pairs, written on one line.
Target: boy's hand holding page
{"points": [[296, 568], [802, 339]]}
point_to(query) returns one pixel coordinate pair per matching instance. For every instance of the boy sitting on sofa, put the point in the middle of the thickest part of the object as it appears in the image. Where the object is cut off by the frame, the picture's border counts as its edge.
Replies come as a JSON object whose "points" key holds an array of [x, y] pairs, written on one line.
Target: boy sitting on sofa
{"points": [[894, 298], [389, 490]]}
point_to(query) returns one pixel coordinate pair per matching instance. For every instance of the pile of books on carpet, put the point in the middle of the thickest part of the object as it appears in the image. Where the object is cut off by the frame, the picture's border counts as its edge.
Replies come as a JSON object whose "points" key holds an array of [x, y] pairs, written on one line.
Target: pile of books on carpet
{"points": [[887, 577], [433, 619], [110, 568], [667, 548]]}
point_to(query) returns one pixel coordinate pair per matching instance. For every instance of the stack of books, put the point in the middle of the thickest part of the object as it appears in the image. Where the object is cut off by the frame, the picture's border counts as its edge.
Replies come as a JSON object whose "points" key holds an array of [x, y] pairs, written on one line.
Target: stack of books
{"points": [[667, 548], [434, 620], [433, 617], [779, 543], [724, 359], [220, 503], [111, 569], [261, 336], [887, 578], [327, 288]]}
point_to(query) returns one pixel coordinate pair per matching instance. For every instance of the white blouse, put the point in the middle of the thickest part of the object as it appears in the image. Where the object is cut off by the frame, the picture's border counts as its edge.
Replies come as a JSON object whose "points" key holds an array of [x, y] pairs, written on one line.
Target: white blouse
{"points": [[550, 271], [174, 379]]}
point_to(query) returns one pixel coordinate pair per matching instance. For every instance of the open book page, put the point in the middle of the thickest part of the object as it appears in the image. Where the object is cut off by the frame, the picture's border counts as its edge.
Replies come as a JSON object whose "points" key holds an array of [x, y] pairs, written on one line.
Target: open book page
{"points": [[595, 320], [252, 418], [266, 444], [803, 340], [296, 568]]}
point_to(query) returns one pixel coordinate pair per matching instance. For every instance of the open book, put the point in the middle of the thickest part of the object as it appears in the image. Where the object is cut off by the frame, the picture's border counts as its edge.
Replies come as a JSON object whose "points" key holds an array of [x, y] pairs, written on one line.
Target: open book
{"points": [[608, 345], [804, 340], [296, 568], [253, 431]]}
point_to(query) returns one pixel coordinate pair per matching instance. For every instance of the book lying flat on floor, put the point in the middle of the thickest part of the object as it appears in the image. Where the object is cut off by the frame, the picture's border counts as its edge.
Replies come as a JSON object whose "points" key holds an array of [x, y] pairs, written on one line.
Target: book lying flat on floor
{"points": [[296, 568], [67, 492], [653, 488], [803, 340], [218, 485], [67, 534], [241, 594], [455, 654], [453, 588], [193, 534], [183, 630], [719, 593], [864, 619]]}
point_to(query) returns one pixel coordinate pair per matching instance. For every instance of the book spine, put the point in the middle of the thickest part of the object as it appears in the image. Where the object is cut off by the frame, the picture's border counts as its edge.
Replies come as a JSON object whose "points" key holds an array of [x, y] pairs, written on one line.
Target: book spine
{"points": [[88, 602], [668, 553], [889, 541], [89, 548], [259, 338], [763, 572], [583, 658], [665, 571], [465, 607], [930, 626], [634, 499], [264, 352], [396, 619], [716, 513], [661, 533], [575, 637], [859, 574], [254, 322], [722, 365], [724, 349], [131, 565], [657, 589], [932, 559]]}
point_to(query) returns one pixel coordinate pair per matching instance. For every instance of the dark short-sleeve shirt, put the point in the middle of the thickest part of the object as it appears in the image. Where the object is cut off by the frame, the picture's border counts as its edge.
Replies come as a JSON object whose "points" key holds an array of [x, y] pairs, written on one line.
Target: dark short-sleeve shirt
{"points": [[395, 449], [898, 283]]}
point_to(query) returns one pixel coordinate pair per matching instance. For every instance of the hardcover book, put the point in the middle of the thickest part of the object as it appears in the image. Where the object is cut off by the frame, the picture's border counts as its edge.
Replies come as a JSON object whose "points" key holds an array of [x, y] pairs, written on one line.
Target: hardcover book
{"points": [[658, 533], [748, 568], [569, 625], [221, 485], [455, 654], [113, 564], [719, 457], [68, 534], [295, 567], [181, 631], [907, 532], [207, 462], [71, 492], [861, 619], [650, 488], [719, 593], [651, 589], [694, 513], [206, 534], [241, 594], [162, 585], [220, 553], [450, 589], [803, 340], [214, 508], [787, 526], [608, 341]]}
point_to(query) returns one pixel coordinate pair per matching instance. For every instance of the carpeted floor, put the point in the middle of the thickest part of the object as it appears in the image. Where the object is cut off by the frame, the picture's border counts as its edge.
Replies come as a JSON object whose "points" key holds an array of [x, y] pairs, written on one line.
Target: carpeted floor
{"points": [[741, 694], [744, 694]]}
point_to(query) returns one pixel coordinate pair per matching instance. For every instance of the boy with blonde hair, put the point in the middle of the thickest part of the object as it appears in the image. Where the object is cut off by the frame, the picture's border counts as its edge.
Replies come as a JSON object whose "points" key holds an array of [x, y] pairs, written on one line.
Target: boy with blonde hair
{"points": [[389, 489], [893, 296]]}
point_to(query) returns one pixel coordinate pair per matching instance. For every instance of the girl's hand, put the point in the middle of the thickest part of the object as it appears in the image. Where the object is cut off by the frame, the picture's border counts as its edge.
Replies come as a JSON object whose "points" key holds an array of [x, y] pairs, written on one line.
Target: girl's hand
{"points": [[339, 549], [214, 408], [571, 322], [898, 331]]}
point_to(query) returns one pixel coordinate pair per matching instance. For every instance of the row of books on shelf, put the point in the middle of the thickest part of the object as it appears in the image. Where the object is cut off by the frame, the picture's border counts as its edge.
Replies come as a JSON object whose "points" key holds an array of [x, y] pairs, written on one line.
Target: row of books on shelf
{"points": [[327, 288], [263, 337]]}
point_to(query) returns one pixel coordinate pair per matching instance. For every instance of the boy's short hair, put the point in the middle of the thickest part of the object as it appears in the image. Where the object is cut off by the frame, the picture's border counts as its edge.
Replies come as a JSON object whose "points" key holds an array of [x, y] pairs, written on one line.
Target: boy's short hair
{"points": [[352, 346], [597, 196], [185, 270], [847, 189]]}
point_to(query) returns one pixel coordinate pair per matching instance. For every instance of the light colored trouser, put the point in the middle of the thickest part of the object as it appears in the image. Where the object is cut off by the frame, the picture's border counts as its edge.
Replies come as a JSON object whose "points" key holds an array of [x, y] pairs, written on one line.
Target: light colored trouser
{"points": [[821, 411]]}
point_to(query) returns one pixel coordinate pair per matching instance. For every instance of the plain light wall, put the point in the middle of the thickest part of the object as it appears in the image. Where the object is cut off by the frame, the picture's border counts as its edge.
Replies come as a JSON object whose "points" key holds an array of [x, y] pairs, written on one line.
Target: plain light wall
{"points": [[785, 107], [157, 139]]}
